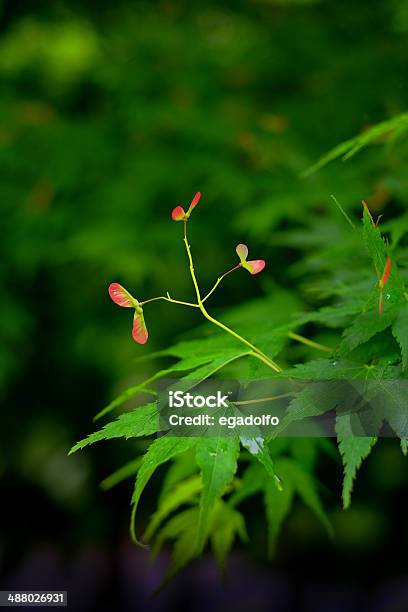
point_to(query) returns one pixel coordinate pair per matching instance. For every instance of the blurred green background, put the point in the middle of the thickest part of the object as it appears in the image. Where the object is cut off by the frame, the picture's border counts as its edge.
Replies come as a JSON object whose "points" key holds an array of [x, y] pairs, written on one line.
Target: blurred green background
{"points": [[111, 115]]}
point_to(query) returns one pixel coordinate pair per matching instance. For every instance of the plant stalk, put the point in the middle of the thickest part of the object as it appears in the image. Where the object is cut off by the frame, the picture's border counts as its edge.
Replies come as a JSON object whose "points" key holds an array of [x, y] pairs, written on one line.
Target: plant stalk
{"points": [[257, 352]]}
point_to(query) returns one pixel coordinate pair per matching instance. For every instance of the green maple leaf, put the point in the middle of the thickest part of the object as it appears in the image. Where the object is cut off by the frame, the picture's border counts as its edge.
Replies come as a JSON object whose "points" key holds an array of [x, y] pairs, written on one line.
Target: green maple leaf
{"points": [[327, 369], [184, 492], [277, 506], [400, 333], [348, 148], [142, 421], [353, 449], [160, 451], [226, 525], [217, 459], [365, 326], [124, 472], [182, 528]]}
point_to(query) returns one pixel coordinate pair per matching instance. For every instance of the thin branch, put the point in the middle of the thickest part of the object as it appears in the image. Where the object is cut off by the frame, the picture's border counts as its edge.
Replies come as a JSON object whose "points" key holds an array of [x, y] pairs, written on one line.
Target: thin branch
{"points": [[256, 351], [219, 280], [169, 299], [311, 343], [261, 400]]}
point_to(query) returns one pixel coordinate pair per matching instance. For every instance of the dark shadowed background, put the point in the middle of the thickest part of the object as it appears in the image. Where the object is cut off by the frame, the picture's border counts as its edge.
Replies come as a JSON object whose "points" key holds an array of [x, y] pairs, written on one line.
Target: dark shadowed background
{"points": [[111, 114]]}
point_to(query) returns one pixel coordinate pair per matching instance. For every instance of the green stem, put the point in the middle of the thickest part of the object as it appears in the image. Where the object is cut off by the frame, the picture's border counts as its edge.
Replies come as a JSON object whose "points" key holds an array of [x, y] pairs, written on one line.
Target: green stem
{"points": [[219, 280], [311, 343], [262, 400], [257, 352], [168, 299], [192, 273]]}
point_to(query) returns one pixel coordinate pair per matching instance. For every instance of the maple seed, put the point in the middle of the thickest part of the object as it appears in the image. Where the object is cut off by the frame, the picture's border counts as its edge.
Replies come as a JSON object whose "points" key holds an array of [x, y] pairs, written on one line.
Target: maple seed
{"points": [[386, 273], [383, 281], [242, 251], [194, 202], [121, 297], [178, 213], [254, 266], [139, 330]]}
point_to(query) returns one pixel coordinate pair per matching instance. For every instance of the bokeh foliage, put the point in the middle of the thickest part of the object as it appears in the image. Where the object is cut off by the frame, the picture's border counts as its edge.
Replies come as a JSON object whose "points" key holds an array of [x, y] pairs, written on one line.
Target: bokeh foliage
{"points": [[113, 115]]}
